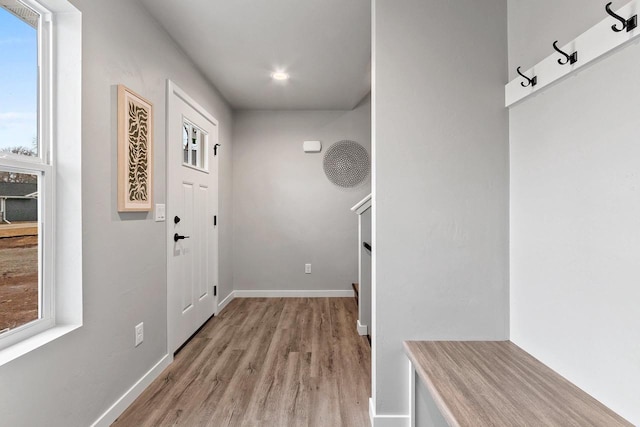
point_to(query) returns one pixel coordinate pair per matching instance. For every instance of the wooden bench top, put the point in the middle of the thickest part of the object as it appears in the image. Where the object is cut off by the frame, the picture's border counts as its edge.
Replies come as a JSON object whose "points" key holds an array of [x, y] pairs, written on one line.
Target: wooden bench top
{"points": [[496, 383]]}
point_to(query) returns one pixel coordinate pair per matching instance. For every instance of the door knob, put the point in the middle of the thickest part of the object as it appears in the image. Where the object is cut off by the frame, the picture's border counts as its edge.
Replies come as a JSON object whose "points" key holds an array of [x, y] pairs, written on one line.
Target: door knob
{"points": [[177, 237]]}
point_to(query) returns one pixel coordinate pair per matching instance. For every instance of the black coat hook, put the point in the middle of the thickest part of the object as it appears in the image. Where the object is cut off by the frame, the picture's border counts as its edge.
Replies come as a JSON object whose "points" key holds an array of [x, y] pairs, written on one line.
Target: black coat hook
{"points": [[215, 149], [530, 81], [627, 24], [569, 59]]}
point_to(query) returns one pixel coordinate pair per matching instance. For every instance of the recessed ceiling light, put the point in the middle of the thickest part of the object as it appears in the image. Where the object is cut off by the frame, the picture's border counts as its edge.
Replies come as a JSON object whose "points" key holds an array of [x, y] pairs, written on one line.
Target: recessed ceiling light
{"points": [[278, 75]]}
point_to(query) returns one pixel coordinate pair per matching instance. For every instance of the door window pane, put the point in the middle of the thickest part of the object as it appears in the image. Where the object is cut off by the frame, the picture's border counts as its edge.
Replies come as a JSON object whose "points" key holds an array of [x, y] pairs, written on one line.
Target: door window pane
{"points": [[18, 79], [194, 145], [19, 250], [185, 143]]}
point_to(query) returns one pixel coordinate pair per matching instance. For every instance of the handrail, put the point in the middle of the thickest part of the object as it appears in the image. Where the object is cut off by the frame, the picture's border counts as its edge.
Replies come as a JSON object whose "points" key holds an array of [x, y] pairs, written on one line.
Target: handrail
{"points": [[362, 205]]}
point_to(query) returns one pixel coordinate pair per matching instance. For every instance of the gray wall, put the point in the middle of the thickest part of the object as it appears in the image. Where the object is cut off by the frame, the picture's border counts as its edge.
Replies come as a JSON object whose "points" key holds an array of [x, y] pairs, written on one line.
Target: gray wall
{"points": [[427, 412], [440, 184], [286, 212], [73, 380], [575, 236], [534, 26]]}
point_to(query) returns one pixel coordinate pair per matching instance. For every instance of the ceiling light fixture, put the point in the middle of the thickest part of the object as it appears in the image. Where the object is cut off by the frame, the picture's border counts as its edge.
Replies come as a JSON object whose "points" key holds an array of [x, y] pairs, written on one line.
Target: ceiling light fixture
{"points": [[278, 75]]}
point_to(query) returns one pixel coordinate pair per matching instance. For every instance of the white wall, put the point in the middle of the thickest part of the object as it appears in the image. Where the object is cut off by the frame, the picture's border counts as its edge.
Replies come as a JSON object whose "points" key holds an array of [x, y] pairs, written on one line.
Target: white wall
{"points": [[575, 211], [73, 380], [286, 212], [440, 182]]}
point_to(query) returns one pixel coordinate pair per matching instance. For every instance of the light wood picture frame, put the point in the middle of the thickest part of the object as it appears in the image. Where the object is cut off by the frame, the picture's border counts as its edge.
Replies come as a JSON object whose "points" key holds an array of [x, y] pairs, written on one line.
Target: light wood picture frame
{"points": [[135, 152]]}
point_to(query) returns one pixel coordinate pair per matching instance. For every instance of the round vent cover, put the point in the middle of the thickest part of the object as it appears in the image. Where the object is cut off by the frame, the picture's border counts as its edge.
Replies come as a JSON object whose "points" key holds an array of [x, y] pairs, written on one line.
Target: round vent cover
{"points": [[346, 163]]}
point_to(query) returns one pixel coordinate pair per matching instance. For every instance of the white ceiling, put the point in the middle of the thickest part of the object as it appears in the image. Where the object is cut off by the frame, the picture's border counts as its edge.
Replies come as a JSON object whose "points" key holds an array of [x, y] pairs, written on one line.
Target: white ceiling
{"points": [[325, 46]]}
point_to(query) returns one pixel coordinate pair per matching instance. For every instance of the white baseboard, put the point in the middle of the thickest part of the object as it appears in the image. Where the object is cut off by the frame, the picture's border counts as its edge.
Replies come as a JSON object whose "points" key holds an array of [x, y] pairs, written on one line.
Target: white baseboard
{"points": [[293, 294], [362, 329], [226, 301], [387, 420], [120, 405]]}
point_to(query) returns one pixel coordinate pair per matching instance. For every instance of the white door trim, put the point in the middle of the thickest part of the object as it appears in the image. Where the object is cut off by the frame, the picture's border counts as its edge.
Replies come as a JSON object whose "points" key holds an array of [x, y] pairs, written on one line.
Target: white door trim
{"points": [[174, 90]]}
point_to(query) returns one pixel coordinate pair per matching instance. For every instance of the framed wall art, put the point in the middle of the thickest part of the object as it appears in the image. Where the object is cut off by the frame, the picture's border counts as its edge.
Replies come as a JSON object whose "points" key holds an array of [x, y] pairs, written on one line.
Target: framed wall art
{"points": [[135, 152]]}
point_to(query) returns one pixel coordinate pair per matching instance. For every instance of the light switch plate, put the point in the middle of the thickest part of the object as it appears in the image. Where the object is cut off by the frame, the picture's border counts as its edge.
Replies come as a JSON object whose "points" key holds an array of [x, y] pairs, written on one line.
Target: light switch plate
{"points": [[307, 269], [160, 212]]}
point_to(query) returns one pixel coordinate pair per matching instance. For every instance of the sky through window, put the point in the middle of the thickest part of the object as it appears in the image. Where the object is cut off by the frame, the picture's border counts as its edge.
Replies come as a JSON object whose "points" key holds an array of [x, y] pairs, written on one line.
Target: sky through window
{"points": [[18, 83]]}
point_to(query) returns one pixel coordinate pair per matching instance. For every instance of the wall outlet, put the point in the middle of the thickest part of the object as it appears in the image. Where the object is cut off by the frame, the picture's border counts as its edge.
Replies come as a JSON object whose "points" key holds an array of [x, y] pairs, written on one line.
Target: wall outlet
{"points": [[307, 269], [139, 333]]}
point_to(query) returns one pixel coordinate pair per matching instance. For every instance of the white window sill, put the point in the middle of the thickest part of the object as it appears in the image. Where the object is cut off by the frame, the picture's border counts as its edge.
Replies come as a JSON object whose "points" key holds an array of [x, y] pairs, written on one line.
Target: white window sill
{"points": [[30, 344]]}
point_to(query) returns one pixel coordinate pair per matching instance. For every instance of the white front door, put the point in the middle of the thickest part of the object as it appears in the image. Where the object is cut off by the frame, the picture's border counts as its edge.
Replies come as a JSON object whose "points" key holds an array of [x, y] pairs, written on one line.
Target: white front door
{"points": [[192, 204]]}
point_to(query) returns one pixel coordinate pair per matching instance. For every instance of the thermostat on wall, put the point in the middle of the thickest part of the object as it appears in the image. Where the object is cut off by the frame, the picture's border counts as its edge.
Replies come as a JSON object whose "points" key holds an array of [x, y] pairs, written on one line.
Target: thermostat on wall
{"points": [[312, 146]]}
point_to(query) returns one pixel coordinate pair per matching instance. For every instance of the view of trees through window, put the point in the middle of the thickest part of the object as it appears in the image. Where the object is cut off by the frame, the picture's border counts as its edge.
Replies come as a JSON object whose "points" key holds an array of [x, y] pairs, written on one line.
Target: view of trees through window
{"points": [[19, 241]]}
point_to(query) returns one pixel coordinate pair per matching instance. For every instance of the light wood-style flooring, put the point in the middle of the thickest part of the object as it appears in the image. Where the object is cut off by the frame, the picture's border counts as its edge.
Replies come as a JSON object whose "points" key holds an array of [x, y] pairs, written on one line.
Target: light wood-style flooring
{"points": [[265, 362]]}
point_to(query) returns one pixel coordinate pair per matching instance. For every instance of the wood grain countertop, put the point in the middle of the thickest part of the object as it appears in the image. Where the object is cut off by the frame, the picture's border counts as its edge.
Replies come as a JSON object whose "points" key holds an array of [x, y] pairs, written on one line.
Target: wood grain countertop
{"points": [[496, 383]]}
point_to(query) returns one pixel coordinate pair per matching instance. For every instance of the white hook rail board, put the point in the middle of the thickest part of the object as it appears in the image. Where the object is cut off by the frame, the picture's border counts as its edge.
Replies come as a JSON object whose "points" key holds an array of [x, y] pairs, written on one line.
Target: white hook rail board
{"points": [[590, 45]]}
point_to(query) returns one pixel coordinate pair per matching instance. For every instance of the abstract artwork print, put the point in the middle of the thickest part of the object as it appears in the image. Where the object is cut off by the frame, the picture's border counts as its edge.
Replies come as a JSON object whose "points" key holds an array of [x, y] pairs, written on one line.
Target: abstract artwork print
{"points": [[135, 149]]}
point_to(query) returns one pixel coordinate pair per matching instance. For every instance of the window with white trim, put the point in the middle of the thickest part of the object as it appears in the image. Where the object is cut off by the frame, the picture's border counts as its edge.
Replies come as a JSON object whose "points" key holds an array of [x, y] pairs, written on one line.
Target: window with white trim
{"points": [[194, 146], [32, 257]]}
